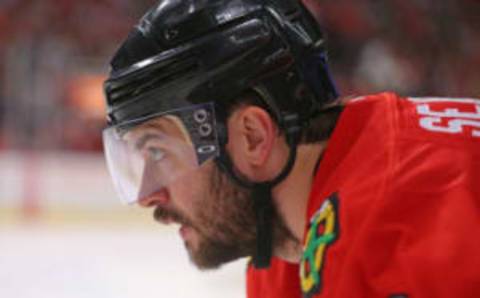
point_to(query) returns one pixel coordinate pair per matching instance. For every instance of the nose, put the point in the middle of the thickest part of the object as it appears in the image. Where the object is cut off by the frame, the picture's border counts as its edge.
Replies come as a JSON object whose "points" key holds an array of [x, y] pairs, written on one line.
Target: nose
{"points": [[157, 198]]}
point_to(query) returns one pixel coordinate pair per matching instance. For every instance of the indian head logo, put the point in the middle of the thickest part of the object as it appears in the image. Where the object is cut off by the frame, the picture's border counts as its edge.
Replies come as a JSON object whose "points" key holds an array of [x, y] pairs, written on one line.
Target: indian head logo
{"points": [[323, 231]]}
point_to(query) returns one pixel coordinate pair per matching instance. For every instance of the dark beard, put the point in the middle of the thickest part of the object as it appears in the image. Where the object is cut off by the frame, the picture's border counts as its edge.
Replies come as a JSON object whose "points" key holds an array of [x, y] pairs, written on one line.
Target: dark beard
{"points": [[227, 224]]}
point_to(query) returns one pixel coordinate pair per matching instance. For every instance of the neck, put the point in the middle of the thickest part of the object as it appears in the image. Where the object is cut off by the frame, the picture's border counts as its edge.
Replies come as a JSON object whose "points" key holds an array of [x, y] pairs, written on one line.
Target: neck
{"points": [[291, 198]]}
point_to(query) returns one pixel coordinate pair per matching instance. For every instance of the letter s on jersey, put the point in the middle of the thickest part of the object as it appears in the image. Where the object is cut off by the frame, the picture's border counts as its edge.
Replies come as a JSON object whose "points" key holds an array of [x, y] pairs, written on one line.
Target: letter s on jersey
{"points": [[450, 119]]}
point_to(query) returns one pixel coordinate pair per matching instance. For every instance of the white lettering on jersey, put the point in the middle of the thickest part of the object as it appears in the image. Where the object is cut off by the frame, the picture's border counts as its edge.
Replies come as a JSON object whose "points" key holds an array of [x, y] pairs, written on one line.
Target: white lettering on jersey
{"points": [[450, 120]]}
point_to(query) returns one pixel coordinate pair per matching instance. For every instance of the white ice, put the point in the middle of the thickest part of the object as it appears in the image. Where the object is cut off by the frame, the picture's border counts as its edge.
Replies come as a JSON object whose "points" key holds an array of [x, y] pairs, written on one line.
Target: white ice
{"points": [[51, 261]]}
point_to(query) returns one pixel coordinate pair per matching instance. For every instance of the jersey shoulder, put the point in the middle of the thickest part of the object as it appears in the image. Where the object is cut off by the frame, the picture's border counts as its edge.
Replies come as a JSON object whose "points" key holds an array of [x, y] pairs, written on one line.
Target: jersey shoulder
{"points": [[448, 122]]}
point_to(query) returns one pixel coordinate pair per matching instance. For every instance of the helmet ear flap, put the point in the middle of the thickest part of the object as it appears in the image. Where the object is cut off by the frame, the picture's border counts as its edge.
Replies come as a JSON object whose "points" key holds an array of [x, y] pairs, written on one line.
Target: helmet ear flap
{"points": [[317, 75], [310, 81]]}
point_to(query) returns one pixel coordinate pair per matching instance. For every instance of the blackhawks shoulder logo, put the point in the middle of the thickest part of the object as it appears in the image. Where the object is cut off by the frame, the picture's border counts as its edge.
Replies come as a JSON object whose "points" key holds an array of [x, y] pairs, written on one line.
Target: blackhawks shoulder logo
{"points": [[323, 231]]}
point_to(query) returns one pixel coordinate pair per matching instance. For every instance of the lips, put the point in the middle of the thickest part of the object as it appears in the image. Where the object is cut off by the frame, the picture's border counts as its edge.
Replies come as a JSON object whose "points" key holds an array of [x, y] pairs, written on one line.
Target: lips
{"points": [[166, 218]]}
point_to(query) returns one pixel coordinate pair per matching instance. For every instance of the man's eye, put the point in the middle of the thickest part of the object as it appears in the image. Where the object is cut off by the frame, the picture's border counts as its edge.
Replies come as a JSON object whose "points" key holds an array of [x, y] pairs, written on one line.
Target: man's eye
{"points": [[156, 154]]}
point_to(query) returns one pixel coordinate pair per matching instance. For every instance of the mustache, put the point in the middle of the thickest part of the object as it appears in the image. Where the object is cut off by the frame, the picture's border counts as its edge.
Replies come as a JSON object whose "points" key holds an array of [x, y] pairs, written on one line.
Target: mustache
{"points": [[164, 215]]}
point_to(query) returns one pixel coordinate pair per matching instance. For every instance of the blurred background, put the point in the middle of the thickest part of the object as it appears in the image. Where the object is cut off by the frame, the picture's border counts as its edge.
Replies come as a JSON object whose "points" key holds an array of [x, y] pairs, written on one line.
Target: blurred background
{"points": [[63, 233]]}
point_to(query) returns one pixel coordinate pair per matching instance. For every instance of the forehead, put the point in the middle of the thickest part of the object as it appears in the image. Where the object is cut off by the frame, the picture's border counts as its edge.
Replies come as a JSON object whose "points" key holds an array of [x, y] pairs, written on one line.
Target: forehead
{"points": [[167, 126]]}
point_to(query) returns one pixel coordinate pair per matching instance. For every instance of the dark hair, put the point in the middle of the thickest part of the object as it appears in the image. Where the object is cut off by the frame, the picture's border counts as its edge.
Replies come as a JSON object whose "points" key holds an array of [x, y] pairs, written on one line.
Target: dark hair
{"points": [[321, 127]]}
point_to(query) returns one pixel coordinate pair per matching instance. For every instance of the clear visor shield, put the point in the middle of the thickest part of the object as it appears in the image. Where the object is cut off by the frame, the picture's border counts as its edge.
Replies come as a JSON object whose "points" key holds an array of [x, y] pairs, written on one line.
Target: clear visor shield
{"points": [[148, 154]]}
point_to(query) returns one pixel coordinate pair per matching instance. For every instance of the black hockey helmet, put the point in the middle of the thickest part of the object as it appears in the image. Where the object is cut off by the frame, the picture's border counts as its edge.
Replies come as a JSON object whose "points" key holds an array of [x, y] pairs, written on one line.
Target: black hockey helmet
{"points": [[189, 59], [184, 53]]}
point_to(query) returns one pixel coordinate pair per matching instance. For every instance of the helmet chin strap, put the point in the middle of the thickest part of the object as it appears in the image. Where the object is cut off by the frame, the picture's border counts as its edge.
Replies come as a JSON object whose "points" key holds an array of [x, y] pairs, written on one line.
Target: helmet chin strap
{"points": [[262, 196]]}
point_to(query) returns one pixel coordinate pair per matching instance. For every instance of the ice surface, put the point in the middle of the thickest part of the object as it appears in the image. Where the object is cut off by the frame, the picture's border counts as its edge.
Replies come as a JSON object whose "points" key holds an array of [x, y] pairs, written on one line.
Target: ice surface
{"points": [[39, 261]]}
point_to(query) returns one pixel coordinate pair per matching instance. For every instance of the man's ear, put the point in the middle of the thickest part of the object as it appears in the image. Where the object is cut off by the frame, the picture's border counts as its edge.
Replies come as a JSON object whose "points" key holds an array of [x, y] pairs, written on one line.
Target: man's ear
{"points": [[252, 133]]}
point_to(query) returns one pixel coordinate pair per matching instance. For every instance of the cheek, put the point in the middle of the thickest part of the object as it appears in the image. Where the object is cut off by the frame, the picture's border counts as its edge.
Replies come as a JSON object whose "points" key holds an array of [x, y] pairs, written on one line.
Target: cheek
{"points": [[188, 193]]}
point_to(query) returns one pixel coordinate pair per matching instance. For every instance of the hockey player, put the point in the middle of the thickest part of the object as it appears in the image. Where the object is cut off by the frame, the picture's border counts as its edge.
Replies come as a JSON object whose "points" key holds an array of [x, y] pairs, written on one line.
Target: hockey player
{"points": [[222, 116]]}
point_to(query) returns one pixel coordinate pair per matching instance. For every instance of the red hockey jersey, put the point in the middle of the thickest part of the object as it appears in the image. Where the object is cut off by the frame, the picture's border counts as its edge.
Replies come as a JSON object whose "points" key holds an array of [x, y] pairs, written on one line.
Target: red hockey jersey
{"points": [[281, 279], [395, 205]]}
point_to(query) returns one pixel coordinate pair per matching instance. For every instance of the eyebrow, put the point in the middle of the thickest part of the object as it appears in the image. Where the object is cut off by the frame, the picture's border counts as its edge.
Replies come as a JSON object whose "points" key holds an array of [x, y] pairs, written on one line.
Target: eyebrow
{"points": [[149, 135]]}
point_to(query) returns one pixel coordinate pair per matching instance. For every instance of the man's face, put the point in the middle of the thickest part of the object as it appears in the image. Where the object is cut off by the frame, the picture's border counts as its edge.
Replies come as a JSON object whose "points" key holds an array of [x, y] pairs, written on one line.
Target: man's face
{"points": [[216, 215]]}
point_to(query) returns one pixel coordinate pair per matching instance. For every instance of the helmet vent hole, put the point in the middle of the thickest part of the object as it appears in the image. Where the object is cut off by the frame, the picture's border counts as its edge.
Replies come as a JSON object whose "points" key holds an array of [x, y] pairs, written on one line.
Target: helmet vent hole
{"points": [[200, 116], [205, 130]]}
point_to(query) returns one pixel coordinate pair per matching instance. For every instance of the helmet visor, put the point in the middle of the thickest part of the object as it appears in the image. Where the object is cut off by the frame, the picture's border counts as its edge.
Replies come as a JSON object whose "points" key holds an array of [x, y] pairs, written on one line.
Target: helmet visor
{"points": [[148, 154]]}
